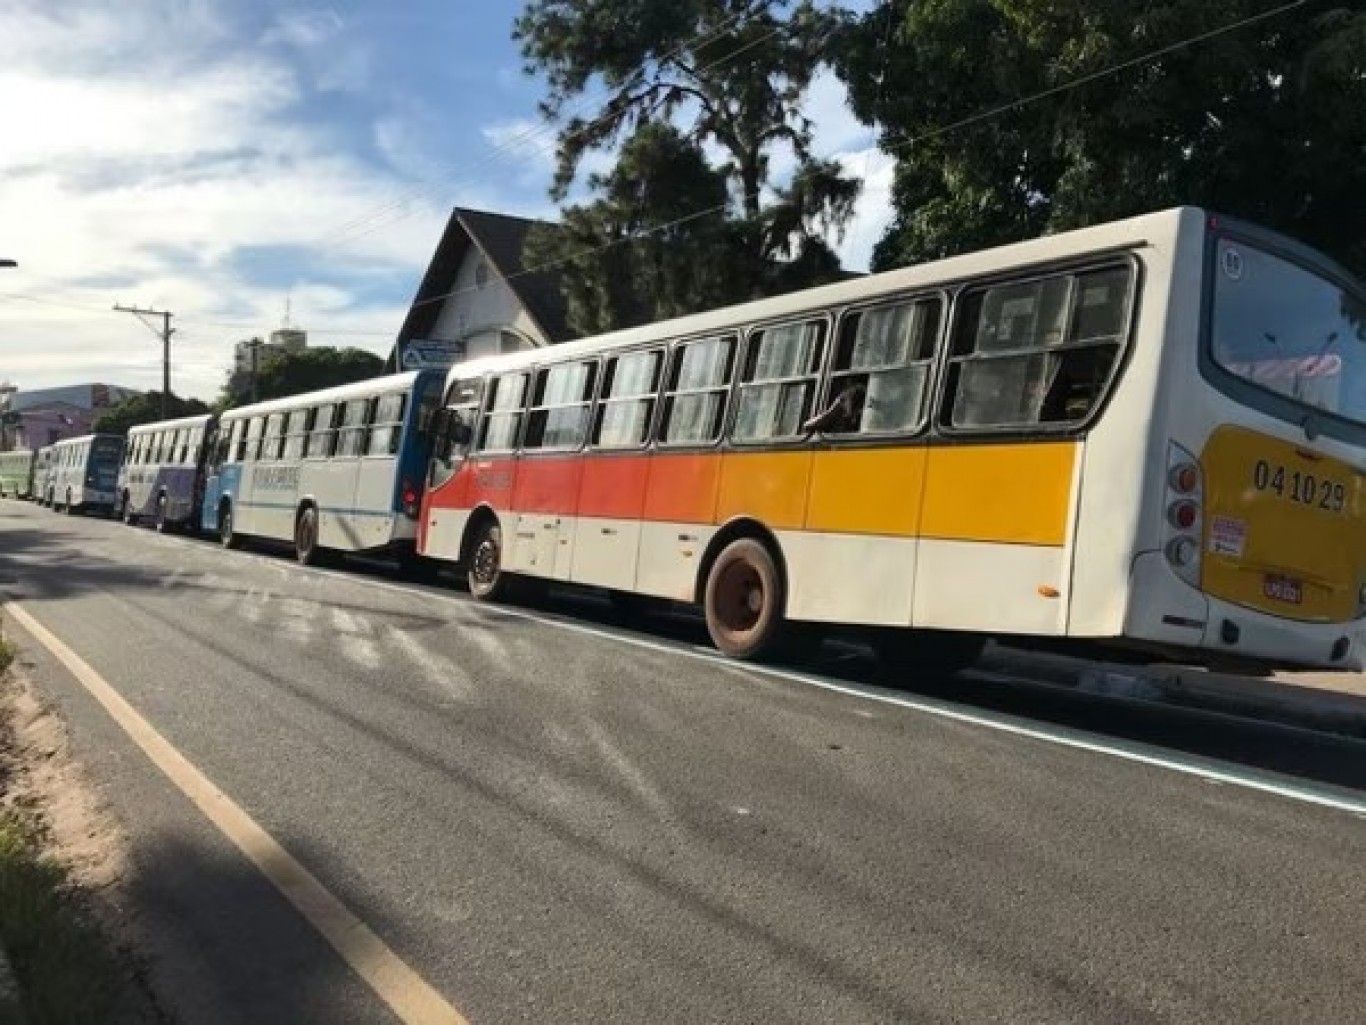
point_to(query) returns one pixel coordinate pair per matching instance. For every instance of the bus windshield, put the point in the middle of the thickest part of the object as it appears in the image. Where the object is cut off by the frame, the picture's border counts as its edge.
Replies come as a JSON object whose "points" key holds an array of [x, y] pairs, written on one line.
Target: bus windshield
{"points": [[1289, 331]]}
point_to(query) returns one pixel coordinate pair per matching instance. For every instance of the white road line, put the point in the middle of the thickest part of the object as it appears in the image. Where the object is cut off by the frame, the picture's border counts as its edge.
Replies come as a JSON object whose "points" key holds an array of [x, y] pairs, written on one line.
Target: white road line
{"points": [[1143, 754], [406, 993]]}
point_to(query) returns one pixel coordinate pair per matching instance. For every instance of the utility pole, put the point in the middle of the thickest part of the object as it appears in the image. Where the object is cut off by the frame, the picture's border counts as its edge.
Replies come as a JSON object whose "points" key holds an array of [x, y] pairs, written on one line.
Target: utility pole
{"points": [[165, 334]]}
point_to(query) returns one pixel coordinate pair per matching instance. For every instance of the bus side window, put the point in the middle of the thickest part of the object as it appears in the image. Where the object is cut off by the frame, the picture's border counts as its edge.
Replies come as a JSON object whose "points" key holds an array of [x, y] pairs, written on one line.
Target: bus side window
{"points": [[559, 407], [503, 415], [322, 435], [351, 434], [296, 432], [880, 378], [388, 426], [695, 393], [628, 400], [252, 445], [778, 383], [1037, 352]]}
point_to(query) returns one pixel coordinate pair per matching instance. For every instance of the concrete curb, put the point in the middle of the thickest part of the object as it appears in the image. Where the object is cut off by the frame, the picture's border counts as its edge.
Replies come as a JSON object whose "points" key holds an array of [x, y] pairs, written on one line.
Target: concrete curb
{"points": [[1292, 704], [11, 1006]]}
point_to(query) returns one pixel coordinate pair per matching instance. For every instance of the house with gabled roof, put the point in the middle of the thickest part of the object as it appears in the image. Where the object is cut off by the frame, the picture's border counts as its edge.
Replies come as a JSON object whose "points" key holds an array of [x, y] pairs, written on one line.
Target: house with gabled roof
{"points": [[478, 291]]}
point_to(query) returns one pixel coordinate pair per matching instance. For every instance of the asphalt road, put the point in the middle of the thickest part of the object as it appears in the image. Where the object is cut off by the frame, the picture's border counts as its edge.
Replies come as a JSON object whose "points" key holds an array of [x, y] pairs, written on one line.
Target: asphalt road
{"points": [[557, 825]]}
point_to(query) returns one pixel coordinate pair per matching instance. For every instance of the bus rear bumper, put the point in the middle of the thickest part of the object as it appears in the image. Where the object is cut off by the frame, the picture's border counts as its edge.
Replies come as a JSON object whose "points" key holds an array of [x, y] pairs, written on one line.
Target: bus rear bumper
{"points": [[1166, 611]]}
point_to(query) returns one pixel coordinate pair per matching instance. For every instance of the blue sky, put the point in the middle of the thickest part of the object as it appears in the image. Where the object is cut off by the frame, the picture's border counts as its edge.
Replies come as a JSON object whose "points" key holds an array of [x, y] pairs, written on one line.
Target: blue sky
{"points": [[221, 158]]}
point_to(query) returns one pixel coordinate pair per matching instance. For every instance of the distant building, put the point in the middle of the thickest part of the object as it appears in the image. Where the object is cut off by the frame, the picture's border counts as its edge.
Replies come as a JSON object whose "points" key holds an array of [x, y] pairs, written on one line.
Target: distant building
{"points": [[44, 415], [478, 295], [287, 339]]}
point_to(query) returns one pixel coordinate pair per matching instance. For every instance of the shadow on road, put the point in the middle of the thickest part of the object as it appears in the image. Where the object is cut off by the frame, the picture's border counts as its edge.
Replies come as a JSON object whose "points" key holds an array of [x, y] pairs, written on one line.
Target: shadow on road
{"points": [[1321, 758]]}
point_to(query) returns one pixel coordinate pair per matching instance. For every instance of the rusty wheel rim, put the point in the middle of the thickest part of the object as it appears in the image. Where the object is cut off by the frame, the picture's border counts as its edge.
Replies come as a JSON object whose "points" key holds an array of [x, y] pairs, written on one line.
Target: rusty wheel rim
{"points": [[739, 599]]}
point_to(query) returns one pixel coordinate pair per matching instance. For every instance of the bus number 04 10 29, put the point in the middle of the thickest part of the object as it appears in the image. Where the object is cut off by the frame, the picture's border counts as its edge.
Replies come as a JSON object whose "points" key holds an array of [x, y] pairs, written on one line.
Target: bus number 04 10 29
{"points": [[1304, 488]]}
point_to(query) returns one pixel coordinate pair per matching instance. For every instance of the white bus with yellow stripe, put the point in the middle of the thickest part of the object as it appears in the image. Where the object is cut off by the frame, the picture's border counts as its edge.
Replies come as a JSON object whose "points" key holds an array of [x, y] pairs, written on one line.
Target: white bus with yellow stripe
{"points": [[1147, 433]]}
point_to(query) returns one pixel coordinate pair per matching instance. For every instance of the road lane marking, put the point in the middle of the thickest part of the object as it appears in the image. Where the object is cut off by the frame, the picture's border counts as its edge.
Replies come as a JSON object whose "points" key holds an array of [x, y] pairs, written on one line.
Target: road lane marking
{"points": [[406, 993], [1130, 751]]}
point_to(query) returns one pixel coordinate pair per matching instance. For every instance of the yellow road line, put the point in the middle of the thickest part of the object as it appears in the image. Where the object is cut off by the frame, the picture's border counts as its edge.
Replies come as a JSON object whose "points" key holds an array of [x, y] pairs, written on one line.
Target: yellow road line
{"points": [[406, 993]]}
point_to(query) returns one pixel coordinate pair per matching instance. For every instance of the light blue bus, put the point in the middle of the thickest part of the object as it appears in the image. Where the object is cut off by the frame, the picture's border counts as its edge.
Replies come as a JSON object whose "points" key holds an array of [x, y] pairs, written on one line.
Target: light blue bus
{"points": [[339, 470], [162, 477]]}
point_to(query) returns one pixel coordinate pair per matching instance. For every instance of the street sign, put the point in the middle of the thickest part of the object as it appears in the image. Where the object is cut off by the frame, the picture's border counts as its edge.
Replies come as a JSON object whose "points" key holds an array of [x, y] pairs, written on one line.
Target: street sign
{"points": [[429, 354]]}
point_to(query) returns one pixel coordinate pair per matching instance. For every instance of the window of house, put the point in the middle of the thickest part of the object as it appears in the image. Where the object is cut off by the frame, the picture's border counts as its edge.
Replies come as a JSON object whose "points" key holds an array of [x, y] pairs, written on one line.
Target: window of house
{"points": [[351, 434], [778, 383], [628, 400], [323, 435], [559, 407], [296, 433], [388, 424], [1039, 352], [695, 396], [879, 382], [503, 415]]}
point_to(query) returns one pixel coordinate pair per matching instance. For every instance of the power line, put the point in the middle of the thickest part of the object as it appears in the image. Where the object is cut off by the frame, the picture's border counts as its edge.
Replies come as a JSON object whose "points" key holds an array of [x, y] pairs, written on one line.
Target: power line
{"points": [[922, 137]]}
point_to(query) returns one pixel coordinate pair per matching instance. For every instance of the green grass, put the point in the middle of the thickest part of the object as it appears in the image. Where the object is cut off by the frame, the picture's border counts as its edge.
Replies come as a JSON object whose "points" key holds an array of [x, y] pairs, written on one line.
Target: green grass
{"points": [[65, 970]]}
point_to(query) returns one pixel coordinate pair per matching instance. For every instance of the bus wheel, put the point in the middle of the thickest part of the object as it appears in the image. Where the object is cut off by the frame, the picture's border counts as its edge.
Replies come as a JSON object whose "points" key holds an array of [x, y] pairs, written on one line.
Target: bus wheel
{"points": [[125, 512], [227, 537], [487, 580], [160, 520], [744, 601], [904, 654], [306, 548]]}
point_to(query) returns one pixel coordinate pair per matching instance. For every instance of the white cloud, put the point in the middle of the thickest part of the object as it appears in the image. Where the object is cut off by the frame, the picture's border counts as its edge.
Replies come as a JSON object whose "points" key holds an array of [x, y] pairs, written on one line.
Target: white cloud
{"points": [[192, 184]]}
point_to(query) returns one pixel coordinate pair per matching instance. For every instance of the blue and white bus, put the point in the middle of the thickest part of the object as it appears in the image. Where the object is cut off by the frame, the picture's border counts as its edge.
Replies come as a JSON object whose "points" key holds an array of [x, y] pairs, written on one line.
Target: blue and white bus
{"points": [[84, 473], [162, 477], [339, 470]]}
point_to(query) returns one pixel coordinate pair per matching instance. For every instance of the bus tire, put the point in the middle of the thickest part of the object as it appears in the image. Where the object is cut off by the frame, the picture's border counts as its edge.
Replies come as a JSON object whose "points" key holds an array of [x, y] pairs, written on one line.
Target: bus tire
{"points": [[160, 521], [227, 537], [743, 601], [904, 654], [485, 574], [306, 548], [125, 512]]}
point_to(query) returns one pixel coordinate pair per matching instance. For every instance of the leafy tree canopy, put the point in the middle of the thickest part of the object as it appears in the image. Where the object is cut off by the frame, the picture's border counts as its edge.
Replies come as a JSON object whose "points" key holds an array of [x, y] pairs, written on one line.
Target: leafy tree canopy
{"points": [[703, 95], [1265, 122], [281, 374], [145, 409]]}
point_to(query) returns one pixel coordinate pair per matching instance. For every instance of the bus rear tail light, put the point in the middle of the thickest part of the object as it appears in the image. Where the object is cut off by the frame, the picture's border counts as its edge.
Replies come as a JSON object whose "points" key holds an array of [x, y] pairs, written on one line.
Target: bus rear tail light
{"points": [[1183, 501], [410, 497]]}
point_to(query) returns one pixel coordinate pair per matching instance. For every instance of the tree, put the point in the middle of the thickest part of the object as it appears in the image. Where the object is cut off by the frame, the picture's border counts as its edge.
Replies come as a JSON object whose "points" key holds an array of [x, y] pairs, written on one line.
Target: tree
{"points": [[280, 373], [1265, 122], [145, 409], [686, 77]]}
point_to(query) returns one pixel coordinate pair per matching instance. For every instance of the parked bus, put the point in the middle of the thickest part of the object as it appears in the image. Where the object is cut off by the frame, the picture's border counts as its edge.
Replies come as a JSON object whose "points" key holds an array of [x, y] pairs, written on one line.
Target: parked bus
{"points": [[332, 471], [162, 477], [84, 473], [16, 473], [1145, 434], [42, 475]]}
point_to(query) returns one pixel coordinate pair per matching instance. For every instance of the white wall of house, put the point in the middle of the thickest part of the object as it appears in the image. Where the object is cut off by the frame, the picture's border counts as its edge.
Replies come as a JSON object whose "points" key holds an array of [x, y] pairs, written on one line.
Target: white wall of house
{"points": [[485, 312]]}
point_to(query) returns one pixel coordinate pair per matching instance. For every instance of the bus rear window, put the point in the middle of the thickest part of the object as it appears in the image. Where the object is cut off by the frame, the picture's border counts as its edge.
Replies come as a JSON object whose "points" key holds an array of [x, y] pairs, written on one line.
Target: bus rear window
{"points": [[1289, 331], [105, 449]]}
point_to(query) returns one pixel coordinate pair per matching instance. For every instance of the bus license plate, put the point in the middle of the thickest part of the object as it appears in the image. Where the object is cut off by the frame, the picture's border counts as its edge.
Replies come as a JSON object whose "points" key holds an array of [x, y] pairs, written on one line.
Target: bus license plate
{"points": [[1284, 589]]}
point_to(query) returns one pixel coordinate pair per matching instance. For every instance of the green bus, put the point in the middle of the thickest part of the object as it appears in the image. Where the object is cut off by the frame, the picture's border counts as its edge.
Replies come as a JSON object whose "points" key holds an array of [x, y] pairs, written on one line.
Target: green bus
{"points": [[16, 474]]}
